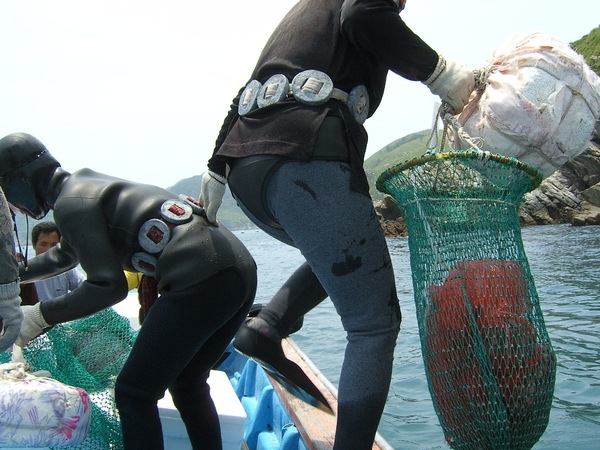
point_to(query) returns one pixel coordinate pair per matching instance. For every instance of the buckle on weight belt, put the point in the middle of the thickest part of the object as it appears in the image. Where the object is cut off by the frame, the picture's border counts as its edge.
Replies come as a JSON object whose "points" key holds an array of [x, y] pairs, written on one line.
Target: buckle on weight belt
{"points": [[310, 87]]}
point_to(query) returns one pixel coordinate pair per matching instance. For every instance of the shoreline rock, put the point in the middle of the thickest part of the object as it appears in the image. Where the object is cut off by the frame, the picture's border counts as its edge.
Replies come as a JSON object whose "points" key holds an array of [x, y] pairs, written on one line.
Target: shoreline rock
{"points": [[569, 195]]}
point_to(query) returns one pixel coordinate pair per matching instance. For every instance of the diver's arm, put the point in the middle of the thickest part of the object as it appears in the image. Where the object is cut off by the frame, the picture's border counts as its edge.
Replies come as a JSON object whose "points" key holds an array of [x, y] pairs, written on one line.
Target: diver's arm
{"points": [[376, 27], [217, 163], [55, 261], [105, 285]]}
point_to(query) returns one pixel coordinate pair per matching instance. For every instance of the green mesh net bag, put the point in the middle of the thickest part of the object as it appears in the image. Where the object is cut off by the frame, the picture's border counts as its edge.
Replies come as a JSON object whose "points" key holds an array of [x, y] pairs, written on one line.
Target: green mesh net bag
{"points": [[88, 353], [489, 362]]}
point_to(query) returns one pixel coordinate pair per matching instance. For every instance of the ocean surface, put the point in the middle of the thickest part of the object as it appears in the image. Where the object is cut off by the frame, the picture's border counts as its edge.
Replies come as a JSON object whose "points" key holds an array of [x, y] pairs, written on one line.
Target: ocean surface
{"points": [[565, 263]]}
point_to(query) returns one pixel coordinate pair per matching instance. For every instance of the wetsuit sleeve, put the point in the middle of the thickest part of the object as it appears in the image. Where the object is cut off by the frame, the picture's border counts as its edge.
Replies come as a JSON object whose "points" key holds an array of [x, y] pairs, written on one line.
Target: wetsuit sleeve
{"points": [[53, 262], [85, 230], [375, 27], [217, 163]]}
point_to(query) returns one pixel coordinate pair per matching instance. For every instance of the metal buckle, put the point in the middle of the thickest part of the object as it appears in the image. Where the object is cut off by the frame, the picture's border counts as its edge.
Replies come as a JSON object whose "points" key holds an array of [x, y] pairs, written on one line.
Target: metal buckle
{"points": [[176, 211], [358, 103], [193, 203]]}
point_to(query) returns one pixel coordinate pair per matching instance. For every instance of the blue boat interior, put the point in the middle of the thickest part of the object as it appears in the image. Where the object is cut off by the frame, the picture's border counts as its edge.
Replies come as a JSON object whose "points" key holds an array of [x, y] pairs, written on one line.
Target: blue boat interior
{"points": [[269, 425]]}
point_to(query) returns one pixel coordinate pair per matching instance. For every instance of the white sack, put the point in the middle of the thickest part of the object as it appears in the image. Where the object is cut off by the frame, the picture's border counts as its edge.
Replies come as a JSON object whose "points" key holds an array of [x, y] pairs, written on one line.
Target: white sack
{"points": [[540, 105]]}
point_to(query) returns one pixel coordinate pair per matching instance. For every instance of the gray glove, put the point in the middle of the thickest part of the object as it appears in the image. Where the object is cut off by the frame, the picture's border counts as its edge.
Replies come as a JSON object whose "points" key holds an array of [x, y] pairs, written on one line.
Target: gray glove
{"points": [[453, 82], [10, 314], [33, 324], [211, 194]]}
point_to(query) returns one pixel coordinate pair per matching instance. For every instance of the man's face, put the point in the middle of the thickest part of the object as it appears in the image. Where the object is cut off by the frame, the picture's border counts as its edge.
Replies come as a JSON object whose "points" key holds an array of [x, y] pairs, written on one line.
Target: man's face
{"points": [[45, 242]]}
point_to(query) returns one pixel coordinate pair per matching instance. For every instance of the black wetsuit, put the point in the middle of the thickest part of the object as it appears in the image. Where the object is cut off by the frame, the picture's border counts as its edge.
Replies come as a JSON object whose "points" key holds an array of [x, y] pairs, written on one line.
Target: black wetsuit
{"points": [[206, 280], [355, 43]]}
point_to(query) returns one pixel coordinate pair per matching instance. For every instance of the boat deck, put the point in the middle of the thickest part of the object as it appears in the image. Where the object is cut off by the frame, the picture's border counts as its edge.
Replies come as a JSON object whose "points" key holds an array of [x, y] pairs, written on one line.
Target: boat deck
{"points": [[316, 427]]}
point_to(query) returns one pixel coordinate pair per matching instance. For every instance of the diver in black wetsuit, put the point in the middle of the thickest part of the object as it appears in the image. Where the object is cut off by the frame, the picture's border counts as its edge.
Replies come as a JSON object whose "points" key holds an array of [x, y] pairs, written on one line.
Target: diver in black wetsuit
{"points": [[206, 280], [291, 149]]}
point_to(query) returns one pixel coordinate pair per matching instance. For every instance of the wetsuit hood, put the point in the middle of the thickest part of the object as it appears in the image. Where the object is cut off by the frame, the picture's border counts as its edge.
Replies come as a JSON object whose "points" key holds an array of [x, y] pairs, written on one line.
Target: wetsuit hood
{"points": [[26, 169]]}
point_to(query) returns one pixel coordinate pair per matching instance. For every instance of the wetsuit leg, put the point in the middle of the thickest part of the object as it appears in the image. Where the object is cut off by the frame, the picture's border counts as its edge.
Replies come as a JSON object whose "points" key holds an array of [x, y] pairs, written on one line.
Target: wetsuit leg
{"points": [[338, 233], [182, 337], [300, 293]]}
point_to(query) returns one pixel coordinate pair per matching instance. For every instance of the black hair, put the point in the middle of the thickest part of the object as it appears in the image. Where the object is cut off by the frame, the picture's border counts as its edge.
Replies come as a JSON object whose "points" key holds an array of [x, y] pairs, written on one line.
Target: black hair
{"points": [[43, 228]]}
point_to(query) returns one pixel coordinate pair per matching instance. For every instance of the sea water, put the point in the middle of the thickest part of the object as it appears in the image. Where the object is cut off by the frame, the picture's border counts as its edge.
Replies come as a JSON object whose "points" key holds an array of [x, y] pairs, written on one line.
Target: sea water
{"points": [[565, 264]]}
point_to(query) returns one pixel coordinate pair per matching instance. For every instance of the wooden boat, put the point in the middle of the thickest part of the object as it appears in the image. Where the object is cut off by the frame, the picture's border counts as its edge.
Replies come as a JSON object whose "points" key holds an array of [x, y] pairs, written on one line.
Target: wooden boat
{"points": [[276, 419]]}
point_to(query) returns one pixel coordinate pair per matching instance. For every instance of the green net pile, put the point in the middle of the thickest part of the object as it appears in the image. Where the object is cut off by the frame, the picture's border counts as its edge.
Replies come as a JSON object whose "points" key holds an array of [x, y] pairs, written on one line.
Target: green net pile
{"points": [[88, 353], [489, 362]]}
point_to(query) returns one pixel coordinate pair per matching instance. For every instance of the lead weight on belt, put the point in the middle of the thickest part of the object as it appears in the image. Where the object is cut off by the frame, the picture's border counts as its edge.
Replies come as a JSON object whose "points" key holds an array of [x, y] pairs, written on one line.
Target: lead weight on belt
{"points": [[249, 97], [144, 263], [192, 203], [154, 235], [275, 89], [358, 103], [312, 87], [176, 211]]}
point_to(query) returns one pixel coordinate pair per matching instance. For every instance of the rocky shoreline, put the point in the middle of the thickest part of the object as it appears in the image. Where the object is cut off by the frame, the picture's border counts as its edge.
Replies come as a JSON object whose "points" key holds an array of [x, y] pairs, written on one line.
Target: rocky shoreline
{"points": [[570, 195]]}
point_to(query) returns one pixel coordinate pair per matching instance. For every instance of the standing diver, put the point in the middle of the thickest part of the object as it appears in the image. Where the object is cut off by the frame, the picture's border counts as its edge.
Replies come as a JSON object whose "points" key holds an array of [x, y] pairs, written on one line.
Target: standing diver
{"points": [[292, 148], [206, 280]]}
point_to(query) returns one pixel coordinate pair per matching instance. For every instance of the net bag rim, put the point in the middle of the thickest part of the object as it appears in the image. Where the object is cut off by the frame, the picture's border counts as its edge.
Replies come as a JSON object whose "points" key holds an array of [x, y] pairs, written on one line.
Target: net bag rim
{"points": [[534, 173]]}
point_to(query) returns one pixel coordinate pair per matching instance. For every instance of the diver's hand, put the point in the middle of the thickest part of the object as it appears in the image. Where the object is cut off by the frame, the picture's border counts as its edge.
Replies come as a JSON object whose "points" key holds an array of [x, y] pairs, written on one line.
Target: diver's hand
{"points": [[12, 318], [211, 194], [33, 324], [453, 82]]}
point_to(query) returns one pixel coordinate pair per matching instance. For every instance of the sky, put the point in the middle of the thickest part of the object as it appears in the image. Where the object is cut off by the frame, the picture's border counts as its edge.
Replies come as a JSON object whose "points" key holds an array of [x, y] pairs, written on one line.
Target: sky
{"points": [[138, 89]]}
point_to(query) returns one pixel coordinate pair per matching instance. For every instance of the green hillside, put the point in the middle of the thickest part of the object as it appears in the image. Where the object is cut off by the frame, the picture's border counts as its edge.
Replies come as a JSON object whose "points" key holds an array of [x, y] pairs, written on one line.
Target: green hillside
{"points": [[396, 152], [229, 213], [589, 47]]}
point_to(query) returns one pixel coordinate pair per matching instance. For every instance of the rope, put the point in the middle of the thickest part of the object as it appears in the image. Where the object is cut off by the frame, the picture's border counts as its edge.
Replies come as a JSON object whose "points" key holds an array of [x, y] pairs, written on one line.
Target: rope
{"points": [[14, 371], [481, 77], [19, 371], [452, 121], [449, 120]]}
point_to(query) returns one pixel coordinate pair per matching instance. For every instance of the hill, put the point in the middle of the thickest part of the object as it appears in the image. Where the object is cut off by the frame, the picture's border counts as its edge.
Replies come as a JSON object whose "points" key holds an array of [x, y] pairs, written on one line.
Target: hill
{"points": [[396, 152], [229, 213], [589, 47]]}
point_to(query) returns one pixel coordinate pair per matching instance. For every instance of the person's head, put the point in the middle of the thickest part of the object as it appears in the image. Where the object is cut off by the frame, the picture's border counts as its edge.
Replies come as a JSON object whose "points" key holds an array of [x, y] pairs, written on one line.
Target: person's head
{"points": [[44, 236], [26, 167]]}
